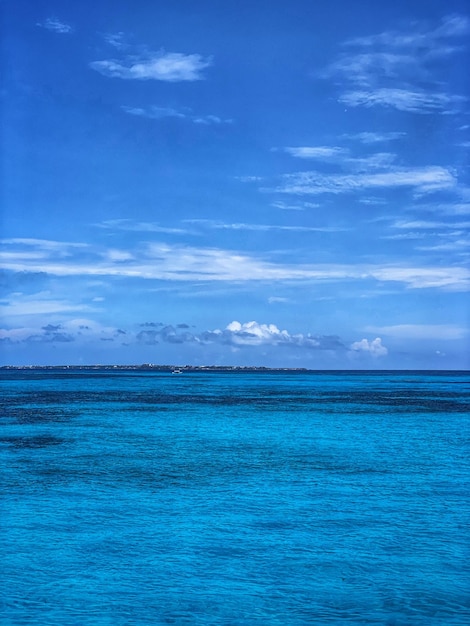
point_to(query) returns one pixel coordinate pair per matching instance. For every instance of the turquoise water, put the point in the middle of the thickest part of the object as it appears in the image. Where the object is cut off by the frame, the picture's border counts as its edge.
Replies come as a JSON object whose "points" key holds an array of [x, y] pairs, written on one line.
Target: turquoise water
{"points": [[135, 497]]}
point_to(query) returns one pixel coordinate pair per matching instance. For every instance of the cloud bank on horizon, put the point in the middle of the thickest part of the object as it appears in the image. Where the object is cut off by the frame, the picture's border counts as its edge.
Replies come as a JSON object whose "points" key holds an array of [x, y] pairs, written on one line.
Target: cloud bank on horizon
{"points": [[315, 180]]}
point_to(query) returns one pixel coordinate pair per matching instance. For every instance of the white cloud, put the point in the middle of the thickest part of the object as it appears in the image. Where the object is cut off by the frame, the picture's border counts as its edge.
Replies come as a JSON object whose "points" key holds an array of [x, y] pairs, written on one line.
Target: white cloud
{"points": [[264, 227], [129, 225], [364, 69], [117, 40], [74, 330], [240, 335], [423, 224], [342, 157], [412, 101], [169, 67], [421, 331], [43, 303], [53, 24], [424, 40], [284, 206], [404, 236], [276, 299], [154, 112], [249, 179], [447, 278], [421, 180], [389, 69], [317, 152], [450, 208], [456, 246], [374, 348], [157, 113], [252, 333], [161, 261], [119, 256], [372, 138], [44, 245], [210, 119]]}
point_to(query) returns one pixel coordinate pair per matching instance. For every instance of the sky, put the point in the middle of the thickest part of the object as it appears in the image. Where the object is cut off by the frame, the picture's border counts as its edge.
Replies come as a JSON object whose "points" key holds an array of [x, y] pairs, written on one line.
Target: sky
{"points": [[262, 183]]}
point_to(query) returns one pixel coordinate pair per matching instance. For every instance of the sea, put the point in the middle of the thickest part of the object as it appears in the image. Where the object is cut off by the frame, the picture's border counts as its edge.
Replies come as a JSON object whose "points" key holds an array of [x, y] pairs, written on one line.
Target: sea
{"points": [[287, 498]]}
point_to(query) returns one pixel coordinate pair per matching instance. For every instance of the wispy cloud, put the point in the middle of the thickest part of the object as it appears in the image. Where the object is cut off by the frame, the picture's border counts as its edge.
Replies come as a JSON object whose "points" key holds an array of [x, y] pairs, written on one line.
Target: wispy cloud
{"points": [[39, 248], [177, 263], [277, 299], [323, 153], [158, 113], [404, 100], [457, 246], [421, 331], [421, 180], [264, 227], [43, 303], [447, 208], [55, 25], [428, 225], [368, 137], [288, 206], [391, 68], [130, 225], [427, 41], [116, 40], [164, 66], [342, 157]]}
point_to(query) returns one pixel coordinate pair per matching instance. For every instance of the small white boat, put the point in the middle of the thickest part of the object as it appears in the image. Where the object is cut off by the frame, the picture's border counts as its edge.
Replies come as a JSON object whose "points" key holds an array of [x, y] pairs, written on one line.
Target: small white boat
{"points": [[177, 370]]}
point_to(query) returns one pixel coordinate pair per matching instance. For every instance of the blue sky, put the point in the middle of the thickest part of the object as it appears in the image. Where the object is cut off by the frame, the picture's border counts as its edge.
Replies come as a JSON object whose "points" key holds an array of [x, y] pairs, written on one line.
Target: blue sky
{"points": [[250, 183]]}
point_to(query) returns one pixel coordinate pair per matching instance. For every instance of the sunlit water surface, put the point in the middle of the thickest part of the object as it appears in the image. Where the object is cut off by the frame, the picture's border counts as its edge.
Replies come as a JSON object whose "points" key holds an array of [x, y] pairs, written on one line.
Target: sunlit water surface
{"points": [[135, 497]]}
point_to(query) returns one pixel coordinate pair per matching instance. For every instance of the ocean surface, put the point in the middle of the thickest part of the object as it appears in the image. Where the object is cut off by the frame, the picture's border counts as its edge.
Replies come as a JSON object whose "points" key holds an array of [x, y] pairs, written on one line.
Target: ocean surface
{"points": [[238, 498]]}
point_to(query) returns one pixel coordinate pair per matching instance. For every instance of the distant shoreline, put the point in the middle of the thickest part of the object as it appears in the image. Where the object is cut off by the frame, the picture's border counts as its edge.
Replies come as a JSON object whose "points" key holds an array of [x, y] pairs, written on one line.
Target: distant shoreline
{"points": [[181, 369], [157, 368]]}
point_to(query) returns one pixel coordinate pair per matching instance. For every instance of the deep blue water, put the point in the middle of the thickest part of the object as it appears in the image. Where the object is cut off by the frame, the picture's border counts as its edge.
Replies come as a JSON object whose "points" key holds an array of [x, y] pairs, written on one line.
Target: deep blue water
{"points": [[134, 497]]}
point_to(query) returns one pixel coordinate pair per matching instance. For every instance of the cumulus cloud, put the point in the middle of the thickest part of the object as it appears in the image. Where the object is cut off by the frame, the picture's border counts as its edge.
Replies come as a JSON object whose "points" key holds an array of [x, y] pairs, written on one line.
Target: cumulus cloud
{"points": [[373, 348], [252, 333], [238, 334], [164, 66]]}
